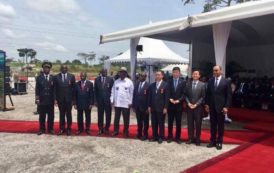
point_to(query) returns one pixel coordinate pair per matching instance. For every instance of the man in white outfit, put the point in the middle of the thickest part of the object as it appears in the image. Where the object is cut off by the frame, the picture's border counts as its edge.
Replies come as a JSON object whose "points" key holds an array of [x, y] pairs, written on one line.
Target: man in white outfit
{"points": [[121, 98]]}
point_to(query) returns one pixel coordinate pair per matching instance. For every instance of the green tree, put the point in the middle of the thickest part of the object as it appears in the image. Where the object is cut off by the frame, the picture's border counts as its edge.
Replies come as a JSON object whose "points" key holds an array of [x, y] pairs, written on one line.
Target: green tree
{"points": [[58, 61], [215, 4], [76, 62], [26, 53], [103, 58], [67, 62], [90, 56]]}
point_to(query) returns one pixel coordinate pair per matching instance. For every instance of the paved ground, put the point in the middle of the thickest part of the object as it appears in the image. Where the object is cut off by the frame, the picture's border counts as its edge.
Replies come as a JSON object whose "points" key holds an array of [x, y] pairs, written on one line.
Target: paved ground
{"points": [[32, 153]]}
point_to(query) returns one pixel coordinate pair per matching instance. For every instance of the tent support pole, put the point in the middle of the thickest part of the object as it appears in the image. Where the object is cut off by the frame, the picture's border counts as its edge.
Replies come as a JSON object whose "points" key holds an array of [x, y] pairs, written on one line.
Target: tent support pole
{"points": [[133, 57]]}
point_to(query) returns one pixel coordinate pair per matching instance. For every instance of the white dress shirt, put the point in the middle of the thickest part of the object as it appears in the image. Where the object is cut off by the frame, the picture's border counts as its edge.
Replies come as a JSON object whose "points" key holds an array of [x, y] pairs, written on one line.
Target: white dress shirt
{"points": [[122, 93], [219, 79]]}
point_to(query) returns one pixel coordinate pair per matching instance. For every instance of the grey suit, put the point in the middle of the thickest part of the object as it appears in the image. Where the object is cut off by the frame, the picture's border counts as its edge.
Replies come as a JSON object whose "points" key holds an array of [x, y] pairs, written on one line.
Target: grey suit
{"points": [[195, 95]]}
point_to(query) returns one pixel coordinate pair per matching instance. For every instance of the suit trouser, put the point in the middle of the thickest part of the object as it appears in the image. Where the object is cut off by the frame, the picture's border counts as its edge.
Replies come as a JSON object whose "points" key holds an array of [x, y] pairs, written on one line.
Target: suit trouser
{"points": [[217, 120], [158, 124], [65, 112], [177, 115], [80, 119], [118, 112], [194, 122], [43, 111], [142, 121], [104, 108]]}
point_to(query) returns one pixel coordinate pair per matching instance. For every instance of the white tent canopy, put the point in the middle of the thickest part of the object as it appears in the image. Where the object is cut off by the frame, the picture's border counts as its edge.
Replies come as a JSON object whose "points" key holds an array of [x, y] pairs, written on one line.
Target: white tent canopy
{"points": [[242, 33], [154, 51], [236, 12]]}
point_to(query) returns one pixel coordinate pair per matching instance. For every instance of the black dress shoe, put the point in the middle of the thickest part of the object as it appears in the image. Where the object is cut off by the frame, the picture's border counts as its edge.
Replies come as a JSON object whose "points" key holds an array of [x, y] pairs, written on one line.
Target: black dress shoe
{"points": [[179, 141], [126, 134], [106, 132], [160, 141], [144, 138], [115, 133], [40, 132], [219, 146], [190, 141], [211, 145], [79, 132], [153, 140], [198, 142], [100, 132], [87, 131], [169, 140], [68, 132], [61, 132], [52, 132], [139, 136]]}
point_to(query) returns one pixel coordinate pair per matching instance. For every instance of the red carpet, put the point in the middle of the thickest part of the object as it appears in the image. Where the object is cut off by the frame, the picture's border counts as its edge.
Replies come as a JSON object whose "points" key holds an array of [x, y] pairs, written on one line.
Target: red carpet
{"points": [[260, 126], [246, 115], [255, 154], [254, 157], [254, 119], [231, 137]]}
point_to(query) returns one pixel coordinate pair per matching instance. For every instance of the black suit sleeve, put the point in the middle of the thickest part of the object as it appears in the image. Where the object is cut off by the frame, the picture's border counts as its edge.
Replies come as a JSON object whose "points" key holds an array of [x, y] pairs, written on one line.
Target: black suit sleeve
{"points": [[208, 93], [182, 92], [150, 95], [91, 94], [95, 90], [166, 96], [228, 94], [37, 88], [54, 87], [73, 84]]}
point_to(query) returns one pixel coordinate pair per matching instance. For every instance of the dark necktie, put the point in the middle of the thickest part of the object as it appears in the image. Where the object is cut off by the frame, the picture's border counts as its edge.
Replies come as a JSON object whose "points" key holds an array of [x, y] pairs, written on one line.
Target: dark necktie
{"points": [[194, 85], [175, 83], [140, 87], [47, 78], [216, 83]]}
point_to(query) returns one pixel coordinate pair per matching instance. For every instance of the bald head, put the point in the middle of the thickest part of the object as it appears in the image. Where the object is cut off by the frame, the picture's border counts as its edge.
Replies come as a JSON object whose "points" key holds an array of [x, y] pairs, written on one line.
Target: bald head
{"points": [[217, 71], [104, 72], [143, 77], [64, 68], [83, 76]]}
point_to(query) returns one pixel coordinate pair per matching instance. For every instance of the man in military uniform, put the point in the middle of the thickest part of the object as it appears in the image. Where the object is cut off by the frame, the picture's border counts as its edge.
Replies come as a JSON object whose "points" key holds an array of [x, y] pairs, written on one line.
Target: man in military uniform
{"points": [[102, 89], [44, 98], [64, 96]]}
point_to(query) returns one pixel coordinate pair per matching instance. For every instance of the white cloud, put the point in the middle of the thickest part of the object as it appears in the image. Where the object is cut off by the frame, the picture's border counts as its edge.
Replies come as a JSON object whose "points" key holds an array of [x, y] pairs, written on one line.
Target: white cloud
{"points": [[10, 34], [51, 46], [54, 5], [7, 11]]}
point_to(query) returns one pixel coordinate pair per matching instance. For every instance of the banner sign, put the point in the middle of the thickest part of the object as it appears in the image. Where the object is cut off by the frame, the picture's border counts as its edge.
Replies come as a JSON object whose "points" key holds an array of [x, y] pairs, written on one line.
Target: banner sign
{"points": [[2, 79]]}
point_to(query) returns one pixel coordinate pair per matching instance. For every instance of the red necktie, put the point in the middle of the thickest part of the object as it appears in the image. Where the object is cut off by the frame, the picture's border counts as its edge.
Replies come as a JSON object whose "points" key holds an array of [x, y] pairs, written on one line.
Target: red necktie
{"points": [[82, 86]]}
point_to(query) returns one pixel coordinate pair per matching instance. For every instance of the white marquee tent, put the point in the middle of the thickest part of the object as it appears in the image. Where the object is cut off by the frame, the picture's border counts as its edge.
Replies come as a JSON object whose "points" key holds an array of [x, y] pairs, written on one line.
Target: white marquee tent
{"points": [[243, 33], [154, 52]]}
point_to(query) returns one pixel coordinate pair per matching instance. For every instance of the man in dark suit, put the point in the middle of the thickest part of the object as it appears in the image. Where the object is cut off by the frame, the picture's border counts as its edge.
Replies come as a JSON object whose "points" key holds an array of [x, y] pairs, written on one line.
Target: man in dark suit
{"points": [[102, 89], [158, 104], [64, 97], [44, 98], [140, 106], [84, 100], [218, 98], [175, 107], [195, 95]]}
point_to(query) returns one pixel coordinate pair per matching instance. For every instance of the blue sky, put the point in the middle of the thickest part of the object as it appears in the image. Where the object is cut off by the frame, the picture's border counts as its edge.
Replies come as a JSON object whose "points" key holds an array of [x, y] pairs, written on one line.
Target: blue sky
{"points": [[59, 29]]}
